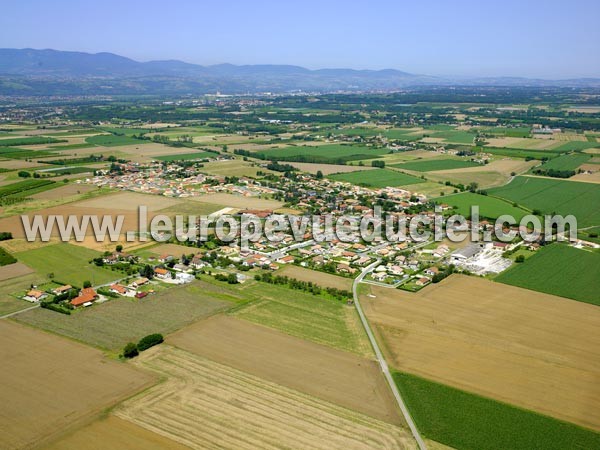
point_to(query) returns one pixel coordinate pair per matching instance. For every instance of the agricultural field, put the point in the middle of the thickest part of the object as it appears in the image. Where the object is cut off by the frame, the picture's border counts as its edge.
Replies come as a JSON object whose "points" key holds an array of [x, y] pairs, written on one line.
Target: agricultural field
{"points": [[263, 415], [502, 342], [115, 433], [187, 156], [554, 196], [316, 370], [320, 278], [9, 303], [324, 321], [68, 263], [436, 164], [113, 324], [559, 270], [233, 168], [377, 178], [489, 207], [111, 140], [569, 161], [49, 384], [238, 201], [326, 154], [462, 420], [328, 169]]}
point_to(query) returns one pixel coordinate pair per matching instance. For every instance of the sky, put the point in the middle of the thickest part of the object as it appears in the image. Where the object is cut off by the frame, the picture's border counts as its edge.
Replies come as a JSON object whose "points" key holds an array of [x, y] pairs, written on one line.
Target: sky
{"points": [[531, 38]]}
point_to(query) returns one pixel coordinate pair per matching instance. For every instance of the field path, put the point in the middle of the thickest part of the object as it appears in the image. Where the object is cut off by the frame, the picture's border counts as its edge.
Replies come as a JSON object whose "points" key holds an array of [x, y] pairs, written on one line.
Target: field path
{"points": [[381, 359]]}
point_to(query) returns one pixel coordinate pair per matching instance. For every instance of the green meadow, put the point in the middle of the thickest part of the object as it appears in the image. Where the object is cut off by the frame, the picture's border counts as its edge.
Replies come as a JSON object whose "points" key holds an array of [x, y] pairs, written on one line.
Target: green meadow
{"points": [[376, 178], [559, 270]]}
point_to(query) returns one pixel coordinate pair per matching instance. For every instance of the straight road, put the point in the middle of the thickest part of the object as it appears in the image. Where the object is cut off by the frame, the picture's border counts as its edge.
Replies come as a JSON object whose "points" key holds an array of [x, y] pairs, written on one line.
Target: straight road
{"points": [[381, 359]]}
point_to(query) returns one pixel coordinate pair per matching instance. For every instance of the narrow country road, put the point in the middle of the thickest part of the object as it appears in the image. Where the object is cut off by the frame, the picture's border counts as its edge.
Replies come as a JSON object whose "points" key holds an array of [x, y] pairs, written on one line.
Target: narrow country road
{"points": [[381, 359]]}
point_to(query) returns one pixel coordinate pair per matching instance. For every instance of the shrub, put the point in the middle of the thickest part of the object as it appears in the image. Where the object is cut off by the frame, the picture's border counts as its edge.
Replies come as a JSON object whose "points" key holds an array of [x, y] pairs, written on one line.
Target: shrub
{"points": [[149, 341], [130, 350]]}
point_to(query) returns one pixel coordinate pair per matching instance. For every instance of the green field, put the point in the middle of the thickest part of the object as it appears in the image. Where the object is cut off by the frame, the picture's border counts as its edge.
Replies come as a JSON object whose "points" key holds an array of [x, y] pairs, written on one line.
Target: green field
{"points": [[113, 324], [521, 153], [317, 319], [326, 154], [467, 421], [427, 165], [111, 140], [377, 178], [555, 196], [559, 270], [489, 207], [458, 137], [24, 188], [69, 264], [186, 156], [566, 162], [576, 145], [33, 140]]}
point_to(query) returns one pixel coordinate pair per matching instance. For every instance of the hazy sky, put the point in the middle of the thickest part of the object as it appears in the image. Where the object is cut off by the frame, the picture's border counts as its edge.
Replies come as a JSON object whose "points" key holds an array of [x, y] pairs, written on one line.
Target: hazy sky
{"points": [[547, 39]]}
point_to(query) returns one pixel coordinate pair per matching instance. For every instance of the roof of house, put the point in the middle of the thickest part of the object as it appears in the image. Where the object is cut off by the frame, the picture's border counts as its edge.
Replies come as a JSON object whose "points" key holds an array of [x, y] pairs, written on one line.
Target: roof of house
{"points": [[119, 288], [86, 295], [161, 271], [35, 293]]}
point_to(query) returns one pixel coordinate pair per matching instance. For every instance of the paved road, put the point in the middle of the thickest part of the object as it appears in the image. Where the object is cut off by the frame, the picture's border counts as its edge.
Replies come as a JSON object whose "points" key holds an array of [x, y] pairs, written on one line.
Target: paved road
{"points": [[381, 359]]}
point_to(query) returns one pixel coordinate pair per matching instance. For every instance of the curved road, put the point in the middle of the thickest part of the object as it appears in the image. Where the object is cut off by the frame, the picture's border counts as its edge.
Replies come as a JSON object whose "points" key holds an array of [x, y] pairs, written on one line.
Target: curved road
{"points": [[381, 359]]}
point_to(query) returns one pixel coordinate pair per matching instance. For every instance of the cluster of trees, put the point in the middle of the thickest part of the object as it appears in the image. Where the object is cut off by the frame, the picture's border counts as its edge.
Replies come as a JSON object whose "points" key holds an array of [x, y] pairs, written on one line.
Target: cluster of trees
{"points": [[554, 173], [132, 349], [5, 235], [275, 166], [443, 274], [306, 286], [380, 164], [229, 278]]}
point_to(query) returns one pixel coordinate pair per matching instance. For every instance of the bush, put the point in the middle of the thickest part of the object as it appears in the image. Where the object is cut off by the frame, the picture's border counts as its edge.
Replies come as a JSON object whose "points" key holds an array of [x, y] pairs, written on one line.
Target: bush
{"points": [[58, 308], [520, 258], [130, 350], [149, 341]]}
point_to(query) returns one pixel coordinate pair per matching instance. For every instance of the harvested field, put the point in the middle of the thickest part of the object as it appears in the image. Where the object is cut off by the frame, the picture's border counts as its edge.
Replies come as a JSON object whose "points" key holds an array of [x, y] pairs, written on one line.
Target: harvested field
{"points": [[170, 249], [328, 169], [498, 341], [587, 177], [316, 370], [116, 434], [48, 384], [14, 270], [233, 168], [226, 408], [483, 178], [15, 164], [129, 201], [320, 278], [238, 201], [113, 324], [64, 191], [503, 166]]}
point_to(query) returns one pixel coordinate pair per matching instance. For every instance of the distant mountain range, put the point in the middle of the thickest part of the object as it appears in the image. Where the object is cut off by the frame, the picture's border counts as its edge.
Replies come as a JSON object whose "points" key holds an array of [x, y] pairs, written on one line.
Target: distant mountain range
{"points": [[52, 72]]}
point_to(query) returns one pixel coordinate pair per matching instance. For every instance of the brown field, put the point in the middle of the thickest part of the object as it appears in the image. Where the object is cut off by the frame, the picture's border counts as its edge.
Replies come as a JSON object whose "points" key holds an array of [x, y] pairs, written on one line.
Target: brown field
{"points": [[589, 178], [171, 249], [129, 201], [502, 166], [14, 270], [236, 167], [327, 169], [316, 370], [592, 151], [226, 408], [483, 178], [321, 278], [533, 350], [238, 201], [48, 384], [116, 434], [64, 191], [21, 164], [590, 167]]}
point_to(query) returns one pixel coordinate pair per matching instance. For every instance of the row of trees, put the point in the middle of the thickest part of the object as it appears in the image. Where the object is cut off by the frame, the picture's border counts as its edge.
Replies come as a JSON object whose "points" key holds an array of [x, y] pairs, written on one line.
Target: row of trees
{"points": [[306, 286]]}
